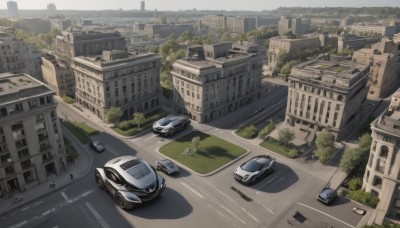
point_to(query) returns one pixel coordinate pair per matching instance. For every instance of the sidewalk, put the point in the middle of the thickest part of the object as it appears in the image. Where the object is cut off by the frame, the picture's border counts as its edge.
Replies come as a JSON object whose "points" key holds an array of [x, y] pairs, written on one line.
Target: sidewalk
{"points": [[79, 169]]}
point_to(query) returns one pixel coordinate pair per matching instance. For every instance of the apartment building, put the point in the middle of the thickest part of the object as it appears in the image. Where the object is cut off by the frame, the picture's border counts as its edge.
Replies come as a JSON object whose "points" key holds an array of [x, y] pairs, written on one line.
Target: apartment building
{"points": [[229, 23], [58, 76], [370, 29], [382, 173], [19, 57], [130, 81], [353, 41], [383, 58], [12, 9], [31, 143], [82, 43], [216, 79], [297, 26], [325, 95]]}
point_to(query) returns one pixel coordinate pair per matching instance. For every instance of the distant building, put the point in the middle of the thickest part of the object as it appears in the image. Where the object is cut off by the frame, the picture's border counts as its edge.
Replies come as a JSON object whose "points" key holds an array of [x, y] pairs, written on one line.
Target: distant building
{"points": [[142, 6], [216, 79], [352, 41], [297, 26], [19, 57], [229, 23], [373, 29], [382, 173], [31, 142], [60, 24], [118, 78], [34, 25], [163, 30], [383, 58], [71, 44], [325, 95], [51, 7], [58, 76], [12, 9]]}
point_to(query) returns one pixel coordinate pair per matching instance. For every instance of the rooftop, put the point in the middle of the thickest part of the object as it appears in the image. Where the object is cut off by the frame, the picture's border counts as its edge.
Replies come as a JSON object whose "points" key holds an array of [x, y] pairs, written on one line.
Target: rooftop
{"points": [[10, 82], [389, 121]]}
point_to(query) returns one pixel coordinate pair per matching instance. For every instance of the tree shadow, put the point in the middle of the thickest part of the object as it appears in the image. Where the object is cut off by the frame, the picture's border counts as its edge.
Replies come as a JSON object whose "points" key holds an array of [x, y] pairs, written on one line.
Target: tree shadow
{"points": [[214, 152]]}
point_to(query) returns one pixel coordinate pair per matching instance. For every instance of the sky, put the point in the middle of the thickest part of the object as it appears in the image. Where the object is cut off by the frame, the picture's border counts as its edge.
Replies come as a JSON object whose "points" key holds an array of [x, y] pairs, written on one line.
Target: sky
{"points": [[161, 5]]}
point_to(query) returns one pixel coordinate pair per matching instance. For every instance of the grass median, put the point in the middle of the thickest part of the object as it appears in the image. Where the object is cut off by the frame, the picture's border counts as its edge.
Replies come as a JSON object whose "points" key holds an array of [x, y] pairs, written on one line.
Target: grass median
{"points": [[273, 145], [80, 130], [212, 154]]}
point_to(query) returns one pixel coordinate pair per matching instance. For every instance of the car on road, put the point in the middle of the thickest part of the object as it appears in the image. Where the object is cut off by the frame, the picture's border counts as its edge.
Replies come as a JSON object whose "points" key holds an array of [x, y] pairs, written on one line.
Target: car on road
{"points": [[167, 166], [327, 195], [170, 125], [130, 181], [97, 146], [254, 169]]}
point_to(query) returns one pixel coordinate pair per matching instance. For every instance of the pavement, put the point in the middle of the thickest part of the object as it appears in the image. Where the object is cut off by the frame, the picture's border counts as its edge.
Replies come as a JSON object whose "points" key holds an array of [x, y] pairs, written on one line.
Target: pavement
{"points": [[79, 169]]}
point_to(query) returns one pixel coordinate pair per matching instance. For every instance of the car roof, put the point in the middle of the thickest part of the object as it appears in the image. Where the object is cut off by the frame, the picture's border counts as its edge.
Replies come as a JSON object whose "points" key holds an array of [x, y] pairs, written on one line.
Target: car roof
{"points": [[326, 192], [261, 159]]}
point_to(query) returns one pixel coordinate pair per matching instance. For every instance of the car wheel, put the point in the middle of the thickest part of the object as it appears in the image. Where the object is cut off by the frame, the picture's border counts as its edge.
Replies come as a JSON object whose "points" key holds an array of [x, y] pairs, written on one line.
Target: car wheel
{"points": [[99, 181], [121, 202]]}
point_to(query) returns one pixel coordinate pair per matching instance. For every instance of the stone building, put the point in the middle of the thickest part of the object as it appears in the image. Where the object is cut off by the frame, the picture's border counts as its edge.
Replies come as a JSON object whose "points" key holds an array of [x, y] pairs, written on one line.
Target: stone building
{"points": [[297, 26], [325, 95], [77, 43], [371, 29], [12, 9], [352, 41], [216, 79], [58, 76], [19, 57], [383, 58], [229, 23], [31, 143], [130, 81], [382, 173]]}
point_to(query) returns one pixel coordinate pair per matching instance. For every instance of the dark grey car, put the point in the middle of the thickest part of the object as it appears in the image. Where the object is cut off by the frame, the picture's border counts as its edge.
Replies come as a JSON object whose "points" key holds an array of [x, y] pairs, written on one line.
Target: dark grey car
{"points": [[167, 166], [170, 125], [97, 146], [327, 196]]}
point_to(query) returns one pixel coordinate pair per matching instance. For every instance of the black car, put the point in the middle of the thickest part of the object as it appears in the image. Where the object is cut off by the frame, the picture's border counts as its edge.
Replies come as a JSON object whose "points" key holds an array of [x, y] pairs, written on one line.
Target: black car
{"points": [[327, 196], [170, 125], [97, 146], [254, 169], [167, 166]]}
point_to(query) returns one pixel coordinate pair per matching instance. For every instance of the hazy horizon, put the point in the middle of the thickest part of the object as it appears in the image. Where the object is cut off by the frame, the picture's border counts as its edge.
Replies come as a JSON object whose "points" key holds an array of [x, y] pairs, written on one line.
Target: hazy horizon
{"points": [[175, 5]]}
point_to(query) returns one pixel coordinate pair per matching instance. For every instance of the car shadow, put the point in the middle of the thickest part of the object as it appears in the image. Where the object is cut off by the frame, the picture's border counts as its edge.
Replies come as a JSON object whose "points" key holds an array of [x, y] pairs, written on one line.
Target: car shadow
{"points": [[282, 178], [164, 207], [339, 201]]}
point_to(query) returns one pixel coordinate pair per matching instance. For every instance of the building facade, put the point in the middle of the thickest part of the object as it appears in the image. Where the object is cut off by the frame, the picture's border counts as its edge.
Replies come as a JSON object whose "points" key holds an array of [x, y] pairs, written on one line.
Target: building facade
{"points": [[19, 57], [117, 78], [297, 26], [12, 9], [383, 58], [352, 41], [371, 29], [326, 95], [58, 76], [216, 79], [51, 7], [229, 23], [31, 143], [382, 173], [153, 30]]}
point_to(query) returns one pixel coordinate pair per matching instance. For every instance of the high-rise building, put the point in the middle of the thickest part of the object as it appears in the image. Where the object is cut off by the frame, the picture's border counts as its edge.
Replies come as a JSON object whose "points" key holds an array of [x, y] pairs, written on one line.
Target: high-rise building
{"points": [[229, 23], [118, 78], [325, 95], [12, 8], [216, 79], [58, 76], [142, 6], [51, 7], [297, 26], [31, 143], [382, 174]]}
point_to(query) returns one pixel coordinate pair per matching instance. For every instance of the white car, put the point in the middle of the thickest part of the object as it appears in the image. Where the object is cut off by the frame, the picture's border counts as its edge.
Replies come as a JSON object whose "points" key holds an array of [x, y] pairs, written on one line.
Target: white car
{"points": [[254, 169]]}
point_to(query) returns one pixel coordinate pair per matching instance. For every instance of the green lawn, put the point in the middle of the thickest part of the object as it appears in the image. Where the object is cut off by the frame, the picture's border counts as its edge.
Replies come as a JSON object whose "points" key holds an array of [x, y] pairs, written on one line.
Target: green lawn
{"points": [[272, 144], [148, 124], [72, 154], [212, 154], [80, 130]]}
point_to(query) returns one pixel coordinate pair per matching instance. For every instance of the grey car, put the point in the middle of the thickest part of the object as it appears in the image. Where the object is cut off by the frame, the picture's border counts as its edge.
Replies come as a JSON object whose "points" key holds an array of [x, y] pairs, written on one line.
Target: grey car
{"points": [[130, 181], [254, 169], [97, 146], [170, 125], [167, 166], [327, 196]]}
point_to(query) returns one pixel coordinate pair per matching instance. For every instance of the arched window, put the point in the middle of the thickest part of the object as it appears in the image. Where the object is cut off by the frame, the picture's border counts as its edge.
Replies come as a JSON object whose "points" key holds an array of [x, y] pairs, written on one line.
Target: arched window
{"points": [[384, 151]]}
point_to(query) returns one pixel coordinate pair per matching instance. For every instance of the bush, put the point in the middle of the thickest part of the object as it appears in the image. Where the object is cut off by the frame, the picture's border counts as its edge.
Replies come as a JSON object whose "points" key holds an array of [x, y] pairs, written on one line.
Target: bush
{"points": [[355, 184], [268, 129], [293, 153], [124, 125], [365, 198], [68, 99], [344, 192], [249, 132]]}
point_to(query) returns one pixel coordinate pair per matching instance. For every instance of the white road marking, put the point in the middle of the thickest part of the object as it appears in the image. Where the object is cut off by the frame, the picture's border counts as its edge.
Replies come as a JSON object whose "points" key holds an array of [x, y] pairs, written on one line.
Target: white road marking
{"points": [[330, 216], [225, 195], [154, 135], [267, 183], [112, 151], [19, 224], [251, 216], [48, 211], [80, 196], [37, 203], [233, 214], [64, 196], [265, 206], [191, 189], [25, 208], [97, 216]]}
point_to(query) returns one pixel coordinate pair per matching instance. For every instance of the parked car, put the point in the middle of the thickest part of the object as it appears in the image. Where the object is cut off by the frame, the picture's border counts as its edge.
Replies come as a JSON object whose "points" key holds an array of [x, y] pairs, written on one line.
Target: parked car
{"points": [[130, 181], [254, 169], [327, 196], [167, 166], [97, 146], [170, 125]]}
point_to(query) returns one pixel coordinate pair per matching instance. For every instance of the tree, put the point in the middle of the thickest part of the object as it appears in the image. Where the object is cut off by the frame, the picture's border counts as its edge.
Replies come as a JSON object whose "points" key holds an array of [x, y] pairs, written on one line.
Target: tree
{"points": [[356, 157], [325, 146], [365, 141], [285, 136], [268, 129], [195, 143], [113, 115], [138, 118]]}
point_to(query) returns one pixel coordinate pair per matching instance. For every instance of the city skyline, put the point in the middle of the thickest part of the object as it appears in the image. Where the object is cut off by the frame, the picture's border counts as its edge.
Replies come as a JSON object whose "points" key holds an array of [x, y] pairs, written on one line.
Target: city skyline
{"points": [[174, 5]]}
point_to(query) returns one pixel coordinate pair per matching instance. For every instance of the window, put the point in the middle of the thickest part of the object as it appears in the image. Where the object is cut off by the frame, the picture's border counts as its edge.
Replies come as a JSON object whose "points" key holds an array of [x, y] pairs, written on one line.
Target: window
{"points": [[384, 151]]}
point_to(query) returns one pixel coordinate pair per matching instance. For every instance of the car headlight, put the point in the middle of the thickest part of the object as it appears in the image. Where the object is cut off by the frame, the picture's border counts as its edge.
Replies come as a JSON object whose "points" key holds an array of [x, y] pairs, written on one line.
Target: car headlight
{"points": [[246, 177]]}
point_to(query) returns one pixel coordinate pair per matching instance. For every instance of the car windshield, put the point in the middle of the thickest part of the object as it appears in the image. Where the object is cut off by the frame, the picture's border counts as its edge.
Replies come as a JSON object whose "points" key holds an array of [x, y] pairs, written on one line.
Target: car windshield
{"points": [[139, 171], [164, 121], [168, 163], [251, 166], [97, 143]]}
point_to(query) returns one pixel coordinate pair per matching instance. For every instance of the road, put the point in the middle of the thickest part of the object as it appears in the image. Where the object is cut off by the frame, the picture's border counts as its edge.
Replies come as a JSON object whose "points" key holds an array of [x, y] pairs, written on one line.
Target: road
{"points": [[191, 200]]}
